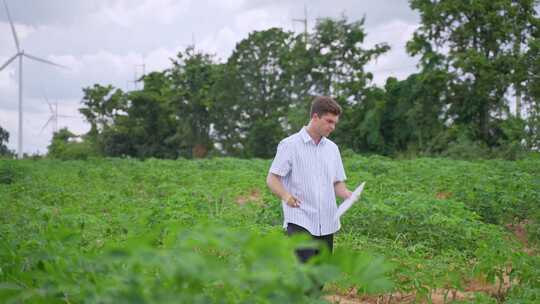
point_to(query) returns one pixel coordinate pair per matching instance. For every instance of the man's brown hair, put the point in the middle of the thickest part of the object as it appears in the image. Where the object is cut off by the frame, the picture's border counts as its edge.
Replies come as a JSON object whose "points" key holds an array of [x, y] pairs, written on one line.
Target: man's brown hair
{"points": [[324, 104]]}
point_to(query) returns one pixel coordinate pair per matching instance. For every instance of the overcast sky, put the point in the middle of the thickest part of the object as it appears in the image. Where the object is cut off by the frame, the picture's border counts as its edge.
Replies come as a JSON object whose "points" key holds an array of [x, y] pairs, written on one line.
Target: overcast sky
{"points": [[106, 41]]}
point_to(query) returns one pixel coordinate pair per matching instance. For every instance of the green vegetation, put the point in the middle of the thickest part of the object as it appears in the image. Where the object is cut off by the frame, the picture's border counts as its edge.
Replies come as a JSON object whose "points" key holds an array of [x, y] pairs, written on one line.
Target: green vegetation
{"points": [[4, 138], [476, 61], [143, 230], [208, 231], [64, 145]]}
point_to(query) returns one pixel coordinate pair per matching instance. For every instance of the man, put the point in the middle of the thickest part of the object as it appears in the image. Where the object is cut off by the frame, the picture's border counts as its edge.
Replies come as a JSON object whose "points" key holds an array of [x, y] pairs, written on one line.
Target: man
{"points": [[307, 174]]}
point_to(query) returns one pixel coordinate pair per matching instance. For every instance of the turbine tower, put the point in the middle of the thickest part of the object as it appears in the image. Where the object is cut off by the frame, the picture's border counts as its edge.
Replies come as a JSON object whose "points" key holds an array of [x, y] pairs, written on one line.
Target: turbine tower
{"points": [[53, 119], [20, 55]]}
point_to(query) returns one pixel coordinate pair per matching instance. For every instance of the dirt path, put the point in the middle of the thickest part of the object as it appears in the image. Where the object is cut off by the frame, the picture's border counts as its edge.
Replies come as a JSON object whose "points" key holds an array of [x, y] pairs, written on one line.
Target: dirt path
{"points": [[438, 296], [520, 232]]}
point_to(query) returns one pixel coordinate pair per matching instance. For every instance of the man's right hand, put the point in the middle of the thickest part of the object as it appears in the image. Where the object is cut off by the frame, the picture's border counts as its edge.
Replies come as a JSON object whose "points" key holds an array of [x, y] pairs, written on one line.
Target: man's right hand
{"points": [[292, 201]]}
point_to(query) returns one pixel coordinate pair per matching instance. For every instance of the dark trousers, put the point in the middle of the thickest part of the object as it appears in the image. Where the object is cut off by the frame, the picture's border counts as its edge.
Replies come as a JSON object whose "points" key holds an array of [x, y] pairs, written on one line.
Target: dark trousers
{"points": [[305, 254]]}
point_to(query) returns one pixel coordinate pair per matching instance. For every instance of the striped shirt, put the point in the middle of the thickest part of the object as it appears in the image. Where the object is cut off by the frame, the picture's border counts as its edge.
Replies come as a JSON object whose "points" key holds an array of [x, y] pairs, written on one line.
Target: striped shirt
{"points": [[308, 172]]}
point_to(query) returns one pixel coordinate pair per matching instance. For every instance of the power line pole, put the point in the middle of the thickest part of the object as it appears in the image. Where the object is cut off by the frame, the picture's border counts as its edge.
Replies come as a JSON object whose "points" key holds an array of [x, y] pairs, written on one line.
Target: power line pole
{"points": [[305, 22], [136, 78], [143, 70]]}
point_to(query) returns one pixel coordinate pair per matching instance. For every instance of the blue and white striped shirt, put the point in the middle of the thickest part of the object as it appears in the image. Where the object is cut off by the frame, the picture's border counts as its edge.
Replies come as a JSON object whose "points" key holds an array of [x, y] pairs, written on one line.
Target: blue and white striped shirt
{"points": [[308, 171]]}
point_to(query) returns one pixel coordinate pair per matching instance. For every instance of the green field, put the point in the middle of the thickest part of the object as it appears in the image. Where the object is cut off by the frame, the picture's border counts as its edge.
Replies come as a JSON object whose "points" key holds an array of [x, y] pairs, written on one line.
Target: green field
{"points": [[209, 231]]}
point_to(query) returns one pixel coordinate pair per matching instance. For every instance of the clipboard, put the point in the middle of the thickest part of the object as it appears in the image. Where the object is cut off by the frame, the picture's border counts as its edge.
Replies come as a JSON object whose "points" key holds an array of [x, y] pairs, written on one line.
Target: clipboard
{"points": [[350, 201]]}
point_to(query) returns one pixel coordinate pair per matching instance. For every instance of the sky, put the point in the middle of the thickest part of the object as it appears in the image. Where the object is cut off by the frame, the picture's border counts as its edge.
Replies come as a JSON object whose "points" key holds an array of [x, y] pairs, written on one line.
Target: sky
{"points": [[108, 41]]}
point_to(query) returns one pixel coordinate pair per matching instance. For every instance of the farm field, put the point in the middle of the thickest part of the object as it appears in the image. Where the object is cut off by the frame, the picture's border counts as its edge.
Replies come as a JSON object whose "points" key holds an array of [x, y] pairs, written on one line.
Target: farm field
{"points": [[209, 231]]}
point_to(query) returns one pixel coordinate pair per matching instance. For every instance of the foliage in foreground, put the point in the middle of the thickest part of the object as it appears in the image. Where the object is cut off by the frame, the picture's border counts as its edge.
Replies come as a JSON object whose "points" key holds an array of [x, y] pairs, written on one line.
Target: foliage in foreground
{"points": [[107, 229], [206, 264]]}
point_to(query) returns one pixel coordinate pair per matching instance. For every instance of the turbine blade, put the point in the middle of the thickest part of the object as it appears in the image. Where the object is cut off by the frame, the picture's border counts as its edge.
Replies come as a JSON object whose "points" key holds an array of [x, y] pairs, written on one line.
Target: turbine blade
{"points": [[46, 124], [44, 61], [50, 107], [12, 28], [47, 101], [9, 61]]}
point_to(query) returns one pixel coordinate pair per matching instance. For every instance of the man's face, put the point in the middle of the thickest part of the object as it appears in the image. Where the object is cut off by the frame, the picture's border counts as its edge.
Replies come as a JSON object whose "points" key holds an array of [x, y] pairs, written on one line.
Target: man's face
{"points": [[325, 124]]}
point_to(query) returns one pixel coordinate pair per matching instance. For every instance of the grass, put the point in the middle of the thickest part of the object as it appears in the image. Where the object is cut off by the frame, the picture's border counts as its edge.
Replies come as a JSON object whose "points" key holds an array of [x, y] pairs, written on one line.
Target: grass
{"points": [[112, 230]]}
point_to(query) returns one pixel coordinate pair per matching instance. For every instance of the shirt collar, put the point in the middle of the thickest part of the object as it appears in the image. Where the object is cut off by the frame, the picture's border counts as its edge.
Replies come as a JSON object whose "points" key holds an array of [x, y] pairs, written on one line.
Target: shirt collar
{"points": [[306, 137]]}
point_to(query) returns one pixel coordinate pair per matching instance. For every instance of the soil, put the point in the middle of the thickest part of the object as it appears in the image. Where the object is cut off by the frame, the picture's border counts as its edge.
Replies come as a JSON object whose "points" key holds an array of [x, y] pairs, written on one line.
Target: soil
{"points": [[254, 196], [443, 195], [520, 232], [440, 296]]}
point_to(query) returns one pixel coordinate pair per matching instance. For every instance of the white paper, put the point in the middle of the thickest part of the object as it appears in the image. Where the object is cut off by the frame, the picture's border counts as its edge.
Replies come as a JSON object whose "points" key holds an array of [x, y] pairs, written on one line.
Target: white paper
{"points": [[350, 201]]}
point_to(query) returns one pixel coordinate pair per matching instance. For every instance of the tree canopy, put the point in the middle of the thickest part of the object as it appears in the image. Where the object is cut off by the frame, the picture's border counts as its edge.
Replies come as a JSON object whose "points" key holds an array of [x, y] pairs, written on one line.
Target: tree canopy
{"points": [[4, 138], [477, 88]]}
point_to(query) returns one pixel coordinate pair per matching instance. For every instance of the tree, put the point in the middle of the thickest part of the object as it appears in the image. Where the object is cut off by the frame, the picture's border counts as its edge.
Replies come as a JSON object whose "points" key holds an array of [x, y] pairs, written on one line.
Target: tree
{"points": [[421, 102], [478, 42], [257, 70], [227, 128], [532, 94], [192, 77], [101, 104], [338, 58], [526, 25], [146, 126], [276, 75], [65, 145], [244, 106], [4, 138]]}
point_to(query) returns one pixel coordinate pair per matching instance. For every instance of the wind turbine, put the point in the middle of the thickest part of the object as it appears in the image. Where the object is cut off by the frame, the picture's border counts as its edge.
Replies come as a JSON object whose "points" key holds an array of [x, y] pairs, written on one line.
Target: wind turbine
{"points": [[21, 54], [54, 116]]}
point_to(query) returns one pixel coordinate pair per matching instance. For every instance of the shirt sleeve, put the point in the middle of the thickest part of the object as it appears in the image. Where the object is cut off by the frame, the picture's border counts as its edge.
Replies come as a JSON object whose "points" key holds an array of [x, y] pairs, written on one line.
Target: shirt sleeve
{"points": [[340, 171], [282, 162]]}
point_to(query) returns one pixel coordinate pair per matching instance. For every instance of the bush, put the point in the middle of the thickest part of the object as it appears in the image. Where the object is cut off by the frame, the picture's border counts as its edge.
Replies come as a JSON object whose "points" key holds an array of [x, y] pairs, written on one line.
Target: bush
{"points": [[64, 147], [9, 173], [466, 149], [203, 264]]}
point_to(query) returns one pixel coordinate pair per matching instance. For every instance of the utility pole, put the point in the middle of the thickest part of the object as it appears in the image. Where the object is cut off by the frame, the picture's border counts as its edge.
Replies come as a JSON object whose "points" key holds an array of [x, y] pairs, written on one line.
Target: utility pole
{"points": [[305, 22], [135, 80], [136, 77], [143, 70]]}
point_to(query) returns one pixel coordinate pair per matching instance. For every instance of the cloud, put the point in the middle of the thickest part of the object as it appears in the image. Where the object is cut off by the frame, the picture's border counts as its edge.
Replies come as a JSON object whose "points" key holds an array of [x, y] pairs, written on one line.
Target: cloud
{"points": [[48, 12], [396, 62], [7, 40], [7, 76], [127, 14], [160, 59], [222, 43]]}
